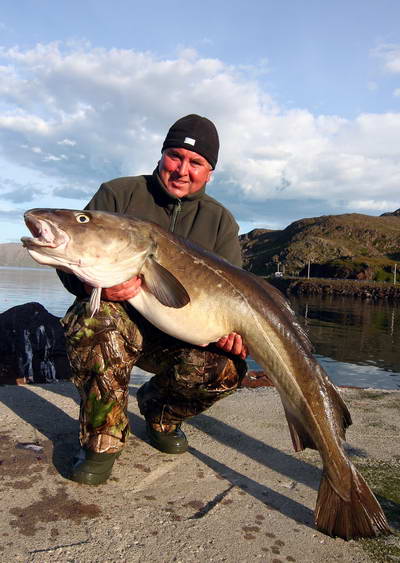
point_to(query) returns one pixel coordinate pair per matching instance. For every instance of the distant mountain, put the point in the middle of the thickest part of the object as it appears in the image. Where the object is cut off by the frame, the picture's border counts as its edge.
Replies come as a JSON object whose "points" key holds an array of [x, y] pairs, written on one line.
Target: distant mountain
{"points": [[351, 246], [14, 254]]}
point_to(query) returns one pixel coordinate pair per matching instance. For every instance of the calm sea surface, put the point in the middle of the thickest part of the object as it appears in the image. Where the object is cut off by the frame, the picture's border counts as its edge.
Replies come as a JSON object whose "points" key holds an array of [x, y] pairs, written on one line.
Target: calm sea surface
{"points": [[357, 342], [22, 285]]}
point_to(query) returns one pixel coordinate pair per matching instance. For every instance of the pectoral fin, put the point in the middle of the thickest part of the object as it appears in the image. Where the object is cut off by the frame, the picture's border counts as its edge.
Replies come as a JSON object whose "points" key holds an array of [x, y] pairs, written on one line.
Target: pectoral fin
{"points": [[163, 285]]}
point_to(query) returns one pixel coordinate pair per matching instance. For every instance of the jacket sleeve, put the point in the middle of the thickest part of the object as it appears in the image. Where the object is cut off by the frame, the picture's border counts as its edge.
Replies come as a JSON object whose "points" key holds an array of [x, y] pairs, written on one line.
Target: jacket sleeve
{"points": [[103, 200], [227, 244]]}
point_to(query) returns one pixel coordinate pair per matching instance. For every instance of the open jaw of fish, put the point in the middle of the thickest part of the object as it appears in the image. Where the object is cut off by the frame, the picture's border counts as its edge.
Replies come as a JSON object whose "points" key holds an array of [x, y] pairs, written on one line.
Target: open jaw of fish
{"points": [[45, 234], [198, 297]]}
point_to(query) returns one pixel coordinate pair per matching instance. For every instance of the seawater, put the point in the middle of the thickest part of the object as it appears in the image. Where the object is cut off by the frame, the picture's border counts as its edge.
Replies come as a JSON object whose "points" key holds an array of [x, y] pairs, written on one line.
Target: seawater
{"points": [[357, 342], [23, 285]]}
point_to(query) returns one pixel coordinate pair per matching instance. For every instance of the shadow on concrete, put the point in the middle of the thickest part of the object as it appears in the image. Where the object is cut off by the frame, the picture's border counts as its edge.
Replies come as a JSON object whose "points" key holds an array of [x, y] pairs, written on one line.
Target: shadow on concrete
{"points": [[63, 432], [292, 468], [287, 465], [60, 428], [272, 499]]}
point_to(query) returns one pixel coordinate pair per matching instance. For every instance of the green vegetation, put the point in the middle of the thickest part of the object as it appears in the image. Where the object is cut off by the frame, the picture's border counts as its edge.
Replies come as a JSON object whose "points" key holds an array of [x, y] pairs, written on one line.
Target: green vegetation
{"points": [[383, 276], [384, 478]]}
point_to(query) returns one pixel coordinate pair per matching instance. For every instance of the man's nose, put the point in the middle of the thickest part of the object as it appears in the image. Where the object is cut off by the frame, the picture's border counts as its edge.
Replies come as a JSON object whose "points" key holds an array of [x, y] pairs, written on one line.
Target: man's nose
{"points": [[183, 167]]}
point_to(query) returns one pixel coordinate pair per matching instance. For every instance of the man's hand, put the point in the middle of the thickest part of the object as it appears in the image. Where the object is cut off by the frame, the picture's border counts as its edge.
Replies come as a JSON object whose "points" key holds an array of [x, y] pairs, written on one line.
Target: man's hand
{"points": [[120, 292], [233, 343]]}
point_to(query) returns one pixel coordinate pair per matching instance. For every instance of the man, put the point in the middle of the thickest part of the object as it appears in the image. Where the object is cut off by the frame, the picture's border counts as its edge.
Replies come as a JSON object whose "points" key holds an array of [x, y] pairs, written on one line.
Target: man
{"points": [[103, 350]]}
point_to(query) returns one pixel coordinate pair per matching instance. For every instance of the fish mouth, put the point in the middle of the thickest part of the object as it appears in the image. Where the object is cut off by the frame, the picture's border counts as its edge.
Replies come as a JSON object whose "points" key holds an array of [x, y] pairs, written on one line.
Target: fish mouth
{"points": [[45, 233]]}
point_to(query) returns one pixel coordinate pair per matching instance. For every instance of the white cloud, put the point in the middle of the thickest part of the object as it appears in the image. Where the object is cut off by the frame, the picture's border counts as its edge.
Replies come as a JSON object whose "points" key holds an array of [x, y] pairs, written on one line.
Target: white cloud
{"points": [[390, 53], [82, 115], [373, 205], [67, 142]]}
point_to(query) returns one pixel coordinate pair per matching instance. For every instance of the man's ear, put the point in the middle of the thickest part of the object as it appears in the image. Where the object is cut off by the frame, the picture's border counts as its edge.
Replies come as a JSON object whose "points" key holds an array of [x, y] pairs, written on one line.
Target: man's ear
{"points": [[209, 176]]}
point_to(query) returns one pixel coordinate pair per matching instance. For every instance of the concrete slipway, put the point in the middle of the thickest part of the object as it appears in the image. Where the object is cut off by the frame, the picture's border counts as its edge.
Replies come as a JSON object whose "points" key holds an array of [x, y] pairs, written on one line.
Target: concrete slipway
{"points": [[239, 495]]}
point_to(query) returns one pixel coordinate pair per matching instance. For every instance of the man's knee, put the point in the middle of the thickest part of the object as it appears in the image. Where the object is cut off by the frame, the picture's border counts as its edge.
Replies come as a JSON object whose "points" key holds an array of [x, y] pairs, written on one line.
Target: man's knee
{"points": [[195, 373], [197, 379], [210, 369]]}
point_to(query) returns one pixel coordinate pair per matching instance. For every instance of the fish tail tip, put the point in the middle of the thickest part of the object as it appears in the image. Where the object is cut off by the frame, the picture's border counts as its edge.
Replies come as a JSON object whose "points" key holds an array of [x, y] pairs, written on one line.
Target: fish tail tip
{"points": [[359, 517]]}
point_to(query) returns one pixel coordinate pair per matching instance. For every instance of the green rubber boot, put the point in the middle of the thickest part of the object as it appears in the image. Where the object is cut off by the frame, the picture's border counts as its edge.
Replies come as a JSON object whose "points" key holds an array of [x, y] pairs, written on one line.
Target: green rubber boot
{"points": [[174, 442], [91, 468]]}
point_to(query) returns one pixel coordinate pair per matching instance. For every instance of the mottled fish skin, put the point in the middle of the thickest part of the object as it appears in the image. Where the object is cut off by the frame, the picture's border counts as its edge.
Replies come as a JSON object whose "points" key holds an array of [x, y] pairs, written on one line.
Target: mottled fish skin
{"points": [[198, 297]]}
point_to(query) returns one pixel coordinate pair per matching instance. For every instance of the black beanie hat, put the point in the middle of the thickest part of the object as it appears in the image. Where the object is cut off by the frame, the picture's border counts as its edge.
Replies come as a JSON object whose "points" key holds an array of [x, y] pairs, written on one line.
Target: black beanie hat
{"points": [[195, 133]]}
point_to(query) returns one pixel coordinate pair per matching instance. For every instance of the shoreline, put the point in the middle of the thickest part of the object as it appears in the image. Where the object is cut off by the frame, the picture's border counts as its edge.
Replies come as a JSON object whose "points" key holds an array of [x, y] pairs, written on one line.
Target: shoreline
{"points": [[257, 378], [359, 289]]}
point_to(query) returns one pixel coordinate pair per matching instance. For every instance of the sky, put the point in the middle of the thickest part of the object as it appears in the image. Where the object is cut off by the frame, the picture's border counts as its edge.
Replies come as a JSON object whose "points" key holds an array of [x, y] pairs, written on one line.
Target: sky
{"points": [[305, 95]]}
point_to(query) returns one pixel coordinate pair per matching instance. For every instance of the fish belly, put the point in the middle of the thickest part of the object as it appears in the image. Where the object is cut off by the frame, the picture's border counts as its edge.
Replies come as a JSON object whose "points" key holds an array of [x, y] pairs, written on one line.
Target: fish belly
{"points": [[195, 323]]}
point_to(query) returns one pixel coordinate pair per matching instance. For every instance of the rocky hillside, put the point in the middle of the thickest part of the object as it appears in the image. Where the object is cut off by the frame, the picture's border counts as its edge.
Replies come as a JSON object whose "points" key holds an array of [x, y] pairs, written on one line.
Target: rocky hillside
{"points": [[350, 246], [14, 254]]}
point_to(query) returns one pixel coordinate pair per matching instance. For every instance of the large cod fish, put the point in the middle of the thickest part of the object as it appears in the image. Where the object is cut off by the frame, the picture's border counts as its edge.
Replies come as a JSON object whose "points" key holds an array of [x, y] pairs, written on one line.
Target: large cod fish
{"points": [[197, 297]]}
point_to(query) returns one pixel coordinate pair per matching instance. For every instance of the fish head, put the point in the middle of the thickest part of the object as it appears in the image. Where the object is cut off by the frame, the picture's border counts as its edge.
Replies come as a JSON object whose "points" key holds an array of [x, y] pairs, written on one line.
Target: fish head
{"points": [[101, 248]]}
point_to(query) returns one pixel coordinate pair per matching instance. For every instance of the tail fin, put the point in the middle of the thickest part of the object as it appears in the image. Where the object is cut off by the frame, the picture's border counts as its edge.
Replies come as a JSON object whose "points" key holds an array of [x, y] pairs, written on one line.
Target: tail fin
{"points": [[359, 517]]}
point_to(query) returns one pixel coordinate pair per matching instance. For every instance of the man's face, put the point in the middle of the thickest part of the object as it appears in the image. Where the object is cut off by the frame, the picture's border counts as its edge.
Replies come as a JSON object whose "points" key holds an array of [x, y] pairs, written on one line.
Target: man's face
{"points": [[183, 172]]}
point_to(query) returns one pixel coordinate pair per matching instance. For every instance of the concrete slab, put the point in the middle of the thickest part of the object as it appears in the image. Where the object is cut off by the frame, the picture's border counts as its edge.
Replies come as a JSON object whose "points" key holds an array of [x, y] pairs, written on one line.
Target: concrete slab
{"points": [[240, 494]]}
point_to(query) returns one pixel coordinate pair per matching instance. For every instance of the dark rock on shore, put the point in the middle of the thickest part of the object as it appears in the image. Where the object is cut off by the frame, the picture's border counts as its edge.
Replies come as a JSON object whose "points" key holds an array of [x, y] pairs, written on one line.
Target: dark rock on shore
{"points": [[32, 346]]}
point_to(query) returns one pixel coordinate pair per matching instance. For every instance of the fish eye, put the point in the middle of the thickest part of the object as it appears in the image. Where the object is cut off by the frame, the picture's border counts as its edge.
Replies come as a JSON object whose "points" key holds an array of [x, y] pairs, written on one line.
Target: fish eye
{"points": [[82, 218]]}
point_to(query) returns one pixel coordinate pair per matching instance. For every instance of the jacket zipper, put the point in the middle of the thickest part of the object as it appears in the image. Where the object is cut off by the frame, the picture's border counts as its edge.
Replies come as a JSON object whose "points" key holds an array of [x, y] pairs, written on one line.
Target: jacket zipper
{"points": [[175, 213]]}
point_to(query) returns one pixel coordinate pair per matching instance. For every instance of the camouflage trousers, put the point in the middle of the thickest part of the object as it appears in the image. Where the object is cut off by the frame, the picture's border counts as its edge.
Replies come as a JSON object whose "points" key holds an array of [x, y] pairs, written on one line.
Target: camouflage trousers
{"points": [[102, 352]]}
